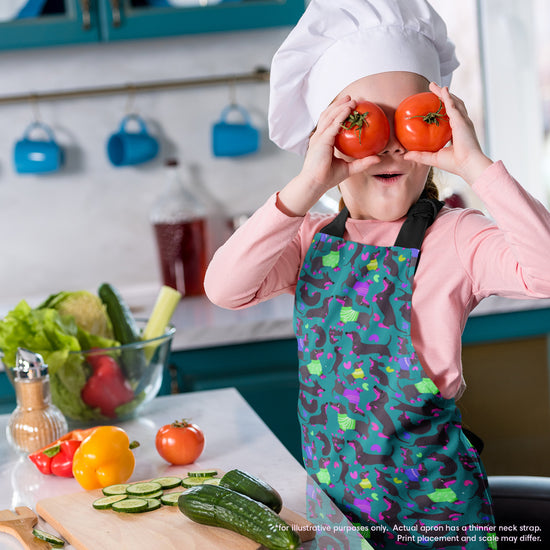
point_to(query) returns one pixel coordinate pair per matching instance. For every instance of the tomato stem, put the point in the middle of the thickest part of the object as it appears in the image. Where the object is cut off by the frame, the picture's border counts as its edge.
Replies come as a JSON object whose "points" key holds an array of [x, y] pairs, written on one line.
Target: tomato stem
{"points": [[356, 121], [180, 423], [431, 118]]}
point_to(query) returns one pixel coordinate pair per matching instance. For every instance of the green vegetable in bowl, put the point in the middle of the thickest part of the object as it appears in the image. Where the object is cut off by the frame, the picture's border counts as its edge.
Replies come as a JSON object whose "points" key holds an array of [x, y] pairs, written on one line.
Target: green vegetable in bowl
{"points": [[45, 331], [134, 362], [68, 330], [86, 308], [54, 336]]}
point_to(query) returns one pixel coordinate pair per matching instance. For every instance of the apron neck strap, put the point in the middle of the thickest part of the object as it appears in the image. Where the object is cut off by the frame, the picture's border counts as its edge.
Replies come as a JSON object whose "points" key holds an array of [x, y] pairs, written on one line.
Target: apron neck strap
{"points": [[419, 217], [337, 226]]}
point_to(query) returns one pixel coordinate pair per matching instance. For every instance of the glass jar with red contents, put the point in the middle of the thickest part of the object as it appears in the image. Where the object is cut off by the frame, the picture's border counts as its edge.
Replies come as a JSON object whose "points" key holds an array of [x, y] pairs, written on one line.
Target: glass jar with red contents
{"points": [[180, 221]]}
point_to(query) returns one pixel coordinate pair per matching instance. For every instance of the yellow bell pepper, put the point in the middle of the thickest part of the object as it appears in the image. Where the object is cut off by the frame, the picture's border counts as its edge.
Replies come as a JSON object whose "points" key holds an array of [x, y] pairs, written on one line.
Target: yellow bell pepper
{"points": [[104, 458]]}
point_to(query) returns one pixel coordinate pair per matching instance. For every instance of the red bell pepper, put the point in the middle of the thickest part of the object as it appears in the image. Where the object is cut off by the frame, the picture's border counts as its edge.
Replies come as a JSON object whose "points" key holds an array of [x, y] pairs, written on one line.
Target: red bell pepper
{"points": [[107, 388], [57, 458]]}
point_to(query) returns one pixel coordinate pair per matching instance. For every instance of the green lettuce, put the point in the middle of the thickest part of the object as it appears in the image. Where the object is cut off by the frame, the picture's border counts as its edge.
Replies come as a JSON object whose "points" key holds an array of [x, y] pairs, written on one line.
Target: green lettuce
{"points": [[56, 337], [41, 331]]}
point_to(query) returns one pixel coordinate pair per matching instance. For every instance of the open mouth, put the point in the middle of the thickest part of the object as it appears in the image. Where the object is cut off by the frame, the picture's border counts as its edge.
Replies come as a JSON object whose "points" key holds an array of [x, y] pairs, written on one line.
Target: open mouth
{"points": [[388, 177]]}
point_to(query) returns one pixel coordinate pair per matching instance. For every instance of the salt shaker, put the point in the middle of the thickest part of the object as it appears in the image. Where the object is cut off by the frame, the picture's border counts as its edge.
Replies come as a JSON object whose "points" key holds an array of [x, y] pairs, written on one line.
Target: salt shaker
{"points": [[35, 422]]}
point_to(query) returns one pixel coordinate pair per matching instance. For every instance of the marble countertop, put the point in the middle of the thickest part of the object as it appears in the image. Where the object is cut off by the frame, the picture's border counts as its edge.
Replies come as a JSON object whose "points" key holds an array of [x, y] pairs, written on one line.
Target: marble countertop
{"points": [[201, 324], [235, 438]]}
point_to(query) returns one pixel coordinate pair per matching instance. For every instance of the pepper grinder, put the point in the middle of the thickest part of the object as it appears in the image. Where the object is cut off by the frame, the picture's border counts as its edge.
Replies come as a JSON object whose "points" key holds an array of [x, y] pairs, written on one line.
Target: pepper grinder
{"points": [[35, 422]]}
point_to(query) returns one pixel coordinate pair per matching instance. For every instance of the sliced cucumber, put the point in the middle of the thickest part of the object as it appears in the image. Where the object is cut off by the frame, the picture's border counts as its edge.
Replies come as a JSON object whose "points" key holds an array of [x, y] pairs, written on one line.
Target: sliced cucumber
{"points": [[171, 499], [156, 494], [119, 489], [212, 481], [131, 505], [167, 482], [203, 473], [143, 489], [48, 537], [193, 481], [103, 503], [152, 504]]}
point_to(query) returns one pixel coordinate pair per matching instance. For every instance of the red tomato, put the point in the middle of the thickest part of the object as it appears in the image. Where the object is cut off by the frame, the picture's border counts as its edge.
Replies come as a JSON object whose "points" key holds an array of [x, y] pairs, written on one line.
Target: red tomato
{"points": [[421, 123], [180, 442], [365, 132]]}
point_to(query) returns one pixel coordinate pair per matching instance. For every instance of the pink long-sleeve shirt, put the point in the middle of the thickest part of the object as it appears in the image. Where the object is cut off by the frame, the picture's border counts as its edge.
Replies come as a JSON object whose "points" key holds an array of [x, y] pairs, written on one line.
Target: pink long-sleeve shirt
{"points": [[465, 257]]}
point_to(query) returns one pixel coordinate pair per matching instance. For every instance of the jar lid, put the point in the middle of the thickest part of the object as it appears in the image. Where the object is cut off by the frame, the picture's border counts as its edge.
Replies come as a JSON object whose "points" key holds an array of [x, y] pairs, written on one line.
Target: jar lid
{"points": [[29, 365]]}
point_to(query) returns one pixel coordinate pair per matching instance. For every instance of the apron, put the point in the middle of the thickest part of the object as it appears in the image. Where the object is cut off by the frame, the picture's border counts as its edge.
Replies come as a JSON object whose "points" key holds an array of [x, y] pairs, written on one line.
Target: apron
{"points": [[377, 435]]}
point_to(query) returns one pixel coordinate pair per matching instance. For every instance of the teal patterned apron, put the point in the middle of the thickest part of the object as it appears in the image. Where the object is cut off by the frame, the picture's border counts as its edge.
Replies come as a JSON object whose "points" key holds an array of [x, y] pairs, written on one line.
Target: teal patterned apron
{"points": [[377, 435]]}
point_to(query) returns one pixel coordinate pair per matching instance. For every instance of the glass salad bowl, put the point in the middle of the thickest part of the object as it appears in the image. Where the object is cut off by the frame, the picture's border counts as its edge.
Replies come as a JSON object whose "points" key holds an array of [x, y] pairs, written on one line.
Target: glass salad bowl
{"points": [[106, 385]]}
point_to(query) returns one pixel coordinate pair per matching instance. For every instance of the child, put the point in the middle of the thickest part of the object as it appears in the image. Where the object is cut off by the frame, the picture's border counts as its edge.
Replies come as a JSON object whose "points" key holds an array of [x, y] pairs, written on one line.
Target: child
{"points": [[383, 290]]}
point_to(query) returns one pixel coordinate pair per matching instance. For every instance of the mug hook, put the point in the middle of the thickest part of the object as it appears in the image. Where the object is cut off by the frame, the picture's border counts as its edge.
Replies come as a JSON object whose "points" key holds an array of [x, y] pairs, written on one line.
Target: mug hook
{"points": [[233, 91], [130, 100], [33, 98]]}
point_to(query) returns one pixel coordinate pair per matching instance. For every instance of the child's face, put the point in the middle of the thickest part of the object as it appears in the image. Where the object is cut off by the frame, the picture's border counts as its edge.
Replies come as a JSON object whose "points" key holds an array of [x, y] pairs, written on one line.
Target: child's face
{"points": [[370, 195]]}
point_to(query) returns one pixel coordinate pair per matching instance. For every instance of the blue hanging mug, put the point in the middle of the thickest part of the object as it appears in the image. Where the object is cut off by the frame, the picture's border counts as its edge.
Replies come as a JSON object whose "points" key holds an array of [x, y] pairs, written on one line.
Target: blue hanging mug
{"points": [[126, 148], [231, 139], [37, 156]]}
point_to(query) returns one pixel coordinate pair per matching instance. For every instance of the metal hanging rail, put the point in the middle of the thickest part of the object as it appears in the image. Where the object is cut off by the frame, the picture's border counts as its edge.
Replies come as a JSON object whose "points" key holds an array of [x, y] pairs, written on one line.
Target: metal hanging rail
{"points": [[259, 75]]}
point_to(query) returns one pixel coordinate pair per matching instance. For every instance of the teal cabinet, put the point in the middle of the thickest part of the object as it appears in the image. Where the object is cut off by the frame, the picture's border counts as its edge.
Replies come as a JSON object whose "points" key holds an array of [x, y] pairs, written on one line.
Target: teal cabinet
{"points": [[61, 22], [7, 394], [156, 18], [64, 22], [265, 373], [497, 327]]}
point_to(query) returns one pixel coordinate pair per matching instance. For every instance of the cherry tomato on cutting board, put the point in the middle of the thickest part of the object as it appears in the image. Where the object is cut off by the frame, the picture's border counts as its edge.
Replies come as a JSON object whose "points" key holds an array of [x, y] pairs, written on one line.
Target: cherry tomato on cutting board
{"points": [[421, 123], [180, 442], [365, 132]]}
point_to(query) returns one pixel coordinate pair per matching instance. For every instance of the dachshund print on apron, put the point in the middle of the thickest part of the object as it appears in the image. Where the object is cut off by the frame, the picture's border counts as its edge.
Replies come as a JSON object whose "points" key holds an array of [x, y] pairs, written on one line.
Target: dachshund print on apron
{"points": [[377, 435]]}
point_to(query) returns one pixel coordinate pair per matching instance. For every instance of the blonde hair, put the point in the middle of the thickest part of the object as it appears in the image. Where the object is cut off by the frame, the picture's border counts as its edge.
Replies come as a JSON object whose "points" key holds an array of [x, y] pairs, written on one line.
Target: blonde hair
{"points": [[430, 190]]}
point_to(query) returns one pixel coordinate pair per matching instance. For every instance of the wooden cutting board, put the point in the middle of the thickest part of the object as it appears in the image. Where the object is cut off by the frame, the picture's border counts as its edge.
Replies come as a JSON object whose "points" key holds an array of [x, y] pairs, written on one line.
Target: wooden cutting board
{"points": [[166, 528]]}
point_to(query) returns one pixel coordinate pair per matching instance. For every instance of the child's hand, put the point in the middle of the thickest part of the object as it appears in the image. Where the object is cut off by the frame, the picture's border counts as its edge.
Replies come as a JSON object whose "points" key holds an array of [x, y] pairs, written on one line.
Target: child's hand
{"points": [[320, 163], [322, 170], [463, 156]]}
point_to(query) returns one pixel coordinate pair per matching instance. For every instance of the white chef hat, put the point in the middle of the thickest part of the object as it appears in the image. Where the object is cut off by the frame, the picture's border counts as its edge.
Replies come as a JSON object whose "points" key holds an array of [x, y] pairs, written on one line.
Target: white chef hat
{"points": [[337, 42]]}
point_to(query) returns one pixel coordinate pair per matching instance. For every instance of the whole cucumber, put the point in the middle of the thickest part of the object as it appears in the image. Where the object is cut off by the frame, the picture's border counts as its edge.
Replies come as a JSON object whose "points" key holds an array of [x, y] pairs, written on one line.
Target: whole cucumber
{"points": [[125, 330], [222, 507], [251, 486]]}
